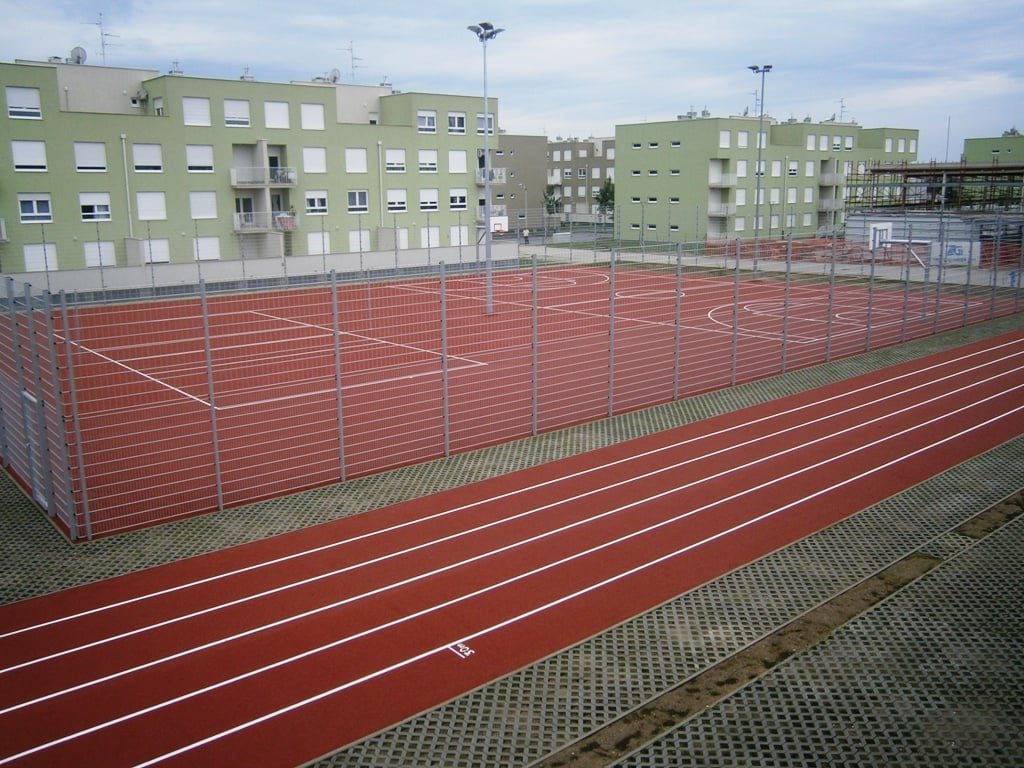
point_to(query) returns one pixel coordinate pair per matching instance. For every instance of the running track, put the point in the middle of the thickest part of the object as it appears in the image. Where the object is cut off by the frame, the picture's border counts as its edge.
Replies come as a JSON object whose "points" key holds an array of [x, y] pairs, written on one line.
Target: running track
{"points": [[278, 652]]}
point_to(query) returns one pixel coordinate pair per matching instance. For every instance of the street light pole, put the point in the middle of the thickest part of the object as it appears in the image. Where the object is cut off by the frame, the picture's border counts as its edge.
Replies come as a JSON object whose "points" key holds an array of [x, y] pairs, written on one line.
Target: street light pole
{"points": [[485, 31], [762, 71]]}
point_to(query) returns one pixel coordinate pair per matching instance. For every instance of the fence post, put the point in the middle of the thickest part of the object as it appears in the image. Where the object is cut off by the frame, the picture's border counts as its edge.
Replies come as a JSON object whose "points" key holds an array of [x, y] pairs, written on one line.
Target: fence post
{"points": [[444, 361], [677, 331], [733, 374], [871, 298], [58, 406], [336, 328], [785, 303], [611, 335], [831, 303], [534, 352], [214, 436], [76, 424]]}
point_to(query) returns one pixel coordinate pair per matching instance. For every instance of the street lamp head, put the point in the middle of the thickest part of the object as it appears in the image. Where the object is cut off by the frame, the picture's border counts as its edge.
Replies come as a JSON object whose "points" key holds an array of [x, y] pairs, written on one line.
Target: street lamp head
{"points": [[760, 70], [484, 31]]}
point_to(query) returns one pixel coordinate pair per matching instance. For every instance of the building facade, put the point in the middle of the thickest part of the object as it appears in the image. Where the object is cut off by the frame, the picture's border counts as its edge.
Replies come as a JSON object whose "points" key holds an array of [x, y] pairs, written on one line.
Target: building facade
{"points": [[702, 178], [577, 169], [104, 166]]}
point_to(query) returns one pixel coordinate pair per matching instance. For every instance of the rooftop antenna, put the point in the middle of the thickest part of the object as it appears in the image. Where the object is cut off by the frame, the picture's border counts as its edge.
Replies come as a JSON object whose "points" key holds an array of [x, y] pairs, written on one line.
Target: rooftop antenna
{"points": [[842, 109], [351, 50], [103, 37]]}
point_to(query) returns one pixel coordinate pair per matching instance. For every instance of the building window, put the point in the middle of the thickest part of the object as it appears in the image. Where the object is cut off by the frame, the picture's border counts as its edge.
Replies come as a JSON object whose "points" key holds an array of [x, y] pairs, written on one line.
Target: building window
{"points": [[316, 202], [428, 160], [742, 139], [811, 139], [150, 206], [35, 208], [457, 199], [397, 201], [794, 167], [202, 205], [23, 103], [312, 116], [637, 145], [206, 248], [275, 114], [394, 160], [776, 168], [90, 156], [147, 158], [581, 173], [95, 206], [481, 123], [199, 158], [355, 160], [236, 113], [314, 159], [40, 257], [426, 121], [741, 169], [457, 162], [677, 144], [724, 139], [358, 201], [567, 173], [457, 122], [428, 199], [195, 110], [99, 254], [28, 155]]}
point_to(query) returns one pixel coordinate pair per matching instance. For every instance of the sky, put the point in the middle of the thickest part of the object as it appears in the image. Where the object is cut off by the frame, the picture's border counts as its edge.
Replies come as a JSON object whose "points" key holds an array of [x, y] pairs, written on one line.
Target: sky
{"points": [[572, 68]]}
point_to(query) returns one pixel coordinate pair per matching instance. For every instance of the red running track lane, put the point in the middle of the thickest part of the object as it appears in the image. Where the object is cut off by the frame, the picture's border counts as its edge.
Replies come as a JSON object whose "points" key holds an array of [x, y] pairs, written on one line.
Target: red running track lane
{"points": [[280, 651]]}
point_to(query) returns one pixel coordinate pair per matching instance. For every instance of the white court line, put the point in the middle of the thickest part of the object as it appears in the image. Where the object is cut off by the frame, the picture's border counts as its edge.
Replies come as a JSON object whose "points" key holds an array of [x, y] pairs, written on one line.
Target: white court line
{"points": [[507, 547], [564, 478], [136, 371], [511, 580]]}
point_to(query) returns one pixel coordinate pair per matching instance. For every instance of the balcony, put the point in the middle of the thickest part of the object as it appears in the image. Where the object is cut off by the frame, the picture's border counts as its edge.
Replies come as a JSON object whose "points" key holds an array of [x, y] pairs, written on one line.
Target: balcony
{"points": [[498, 175], [265, 221], [723, 181], [832, 180], [263, 176], [721, 210], [830, 204]]}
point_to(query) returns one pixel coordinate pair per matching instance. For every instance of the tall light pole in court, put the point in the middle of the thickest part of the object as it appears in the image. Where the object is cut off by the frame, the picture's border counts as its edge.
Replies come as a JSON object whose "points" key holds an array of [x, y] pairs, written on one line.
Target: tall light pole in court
{"points": [[758, 171], [485, 32]]}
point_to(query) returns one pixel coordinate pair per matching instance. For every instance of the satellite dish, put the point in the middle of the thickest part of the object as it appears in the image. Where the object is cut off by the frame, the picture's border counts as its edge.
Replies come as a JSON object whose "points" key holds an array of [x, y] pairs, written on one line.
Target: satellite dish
{"points": [[78, 55], [335, 75]]}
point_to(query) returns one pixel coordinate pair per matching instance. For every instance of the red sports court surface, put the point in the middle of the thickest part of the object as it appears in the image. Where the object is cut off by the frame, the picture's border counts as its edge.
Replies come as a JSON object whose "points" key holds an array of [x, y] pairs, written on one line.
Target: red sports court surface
{"points": [[278, 652], [183, 409]]}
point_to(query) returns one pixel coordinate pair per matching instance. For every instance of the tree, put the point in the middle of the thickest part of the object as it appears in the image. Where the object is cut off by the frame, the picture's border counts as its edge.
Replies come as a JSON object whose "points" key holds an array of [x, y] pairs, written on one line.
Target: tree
{"points": [[552, 202], [606, 197]]}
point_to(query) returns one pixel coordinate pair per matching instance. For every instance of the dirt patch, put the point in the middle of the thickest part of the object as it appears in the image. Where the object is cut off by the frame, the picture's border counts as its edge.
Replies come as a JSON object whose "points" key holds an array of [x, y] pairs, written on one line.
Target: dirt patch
{"points": [[672, 708]]}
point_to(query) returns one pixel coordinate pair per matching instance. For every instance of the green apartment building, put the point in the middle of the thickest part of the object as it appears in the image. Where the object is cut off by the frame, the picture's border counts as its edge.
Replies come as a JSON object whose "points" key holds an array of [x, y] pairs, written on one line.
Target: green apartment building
{"points": [[106, 167], [702, 178]]}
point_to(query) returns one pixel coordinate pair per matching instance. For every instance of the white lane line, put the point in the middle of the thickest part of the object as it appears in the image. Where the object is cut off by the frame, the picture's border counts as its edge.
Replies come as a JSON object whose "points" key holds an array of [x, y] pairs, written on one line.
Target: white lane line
{"points": [[505, 548], [572, 476], [519, 617]]}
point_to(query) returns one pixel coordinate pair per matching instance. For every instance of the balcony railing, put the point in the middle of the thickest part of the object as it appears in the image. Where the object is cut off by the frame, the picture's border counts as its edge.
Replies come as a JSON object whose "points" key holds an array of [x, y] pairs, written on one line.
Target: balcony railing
{"points": [[265, 221], [719, 210], [727, 180], [262, 176], [498, 175]]}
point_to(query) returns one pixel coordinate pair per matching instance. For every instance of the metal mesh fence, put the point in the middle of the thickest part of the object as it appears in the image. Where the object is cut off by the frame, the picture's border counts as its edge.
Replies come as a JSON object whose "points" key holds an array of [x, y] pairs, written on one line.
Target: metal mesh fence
{"points": [[119, 414]]}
